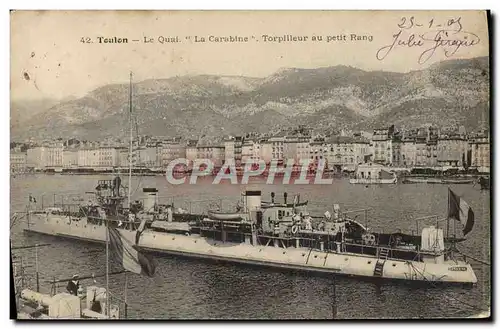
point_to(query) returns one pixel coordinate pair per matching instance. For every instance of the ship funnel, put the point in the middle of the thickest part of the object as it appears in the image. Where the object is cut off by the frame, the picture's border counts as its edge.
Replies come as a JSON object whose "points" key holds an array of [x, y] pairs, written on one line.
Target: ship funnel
{"points": [[336, 211], [116, 186], [252, 200], [150, 198]]}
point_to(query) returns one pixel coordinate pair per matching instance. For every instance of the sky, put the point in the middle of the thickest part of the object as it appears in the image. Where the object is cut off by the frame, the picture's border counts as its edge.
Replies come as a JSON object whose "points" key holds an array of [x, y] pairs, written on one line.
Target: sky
{"points": [[49, 59]]}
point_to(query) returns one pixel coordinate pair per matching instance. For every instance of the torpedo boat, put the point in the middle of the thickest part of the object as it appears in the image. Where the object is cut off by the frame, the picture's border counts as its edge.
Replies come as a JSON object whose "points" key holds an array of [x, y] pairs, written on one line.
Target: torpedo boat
{"points": [[274, 234]]}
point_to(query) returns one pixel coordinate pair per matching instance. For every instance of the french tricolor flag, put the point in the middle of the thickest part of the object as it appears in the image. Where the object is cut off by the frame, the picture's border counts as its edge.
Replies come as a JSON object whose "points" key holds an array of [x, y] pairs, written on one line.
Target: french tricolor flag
{"points": [[459, 210], [125, 253]]}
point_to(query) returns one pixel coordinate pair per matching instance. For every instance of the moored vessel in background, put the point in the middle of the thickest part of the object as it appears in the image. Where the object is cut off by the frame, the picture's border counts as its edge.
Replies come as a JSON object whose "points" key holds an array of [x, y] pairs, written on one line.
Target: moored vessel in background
{"points": [[434, 180], [373, 173]]}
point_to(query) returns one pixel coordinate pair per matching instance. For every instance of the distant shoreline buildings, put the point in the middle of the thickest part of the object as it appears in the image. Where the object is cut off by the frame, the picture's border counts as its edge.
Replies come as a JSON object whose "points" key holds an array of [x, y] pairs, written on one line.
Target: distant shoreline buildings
{"points": [[427, 147]]}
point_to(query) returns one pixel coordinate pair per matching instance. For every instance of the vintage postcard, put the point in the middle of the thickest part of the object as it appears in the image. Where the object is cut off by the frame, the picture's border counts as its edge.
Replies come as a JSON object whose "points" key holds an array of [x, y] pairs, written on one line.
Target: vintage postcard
{"points": [[250, 164]]}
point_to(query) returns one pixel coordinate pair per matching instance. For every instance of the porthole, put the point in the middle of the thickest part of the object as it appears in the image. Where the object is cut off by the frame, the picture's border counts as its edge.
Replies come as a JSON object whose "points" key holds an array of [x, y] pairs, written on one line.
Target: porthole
{"points": [[303, 254], [173, 238], [260, 250], [369, 262], [394, 265], [195, 241], [346, 259], [284, 252], [315, 256]]}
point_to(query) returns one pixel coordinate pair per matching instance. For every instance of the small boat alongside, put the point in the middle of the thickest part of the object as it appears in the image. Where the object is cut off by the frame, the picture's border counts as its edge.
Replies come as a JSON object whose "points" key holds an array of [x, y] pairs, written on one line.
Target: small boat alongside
{"points": [[226, 216]]}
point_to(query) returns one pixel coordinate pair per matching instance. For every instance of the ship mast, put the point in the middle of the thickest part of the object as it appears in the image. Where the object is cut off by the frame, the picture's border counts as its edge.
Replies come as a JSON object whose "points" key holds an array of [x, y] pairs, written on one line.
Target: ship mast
{"points": [[130, 144]]}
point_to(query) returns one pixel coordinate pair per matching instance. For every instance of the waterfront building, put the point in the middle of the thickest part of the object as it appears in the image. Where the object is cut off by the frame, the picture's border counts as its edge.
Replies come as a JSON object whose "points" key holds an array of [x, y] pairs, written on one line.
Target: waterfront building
{"points": [[452, 150], [277, 147], [408, 152], [97, 157], [250, 150], [266, 151], [233, 148], [228, 149], [171, 150], [318, 150], [214, 153], [421, 151], [480, 152], [418, 147], [397, 159], [87, 157], [123, 157], [296, 148], [346, 152], [191, 150], [42, 157], [432, 153], [107, 157], [70, 158], [18, 161], [148, 156], [382, 145]]}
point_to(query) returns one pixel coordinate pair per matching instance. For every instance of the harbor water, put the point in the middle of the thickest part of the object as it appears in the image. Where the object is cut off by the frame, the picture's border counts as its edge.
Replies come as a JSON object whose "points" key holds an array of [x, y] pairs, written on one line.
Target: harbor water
{"points": [[186, 288]]}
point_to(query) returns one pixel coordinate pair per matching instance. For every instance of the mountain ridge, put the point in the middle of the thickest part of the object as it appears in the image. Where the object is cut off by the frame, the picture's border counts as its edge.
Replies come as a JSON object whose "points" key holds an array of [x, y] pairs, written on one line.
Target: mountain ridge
{"points": [[452, 92]]}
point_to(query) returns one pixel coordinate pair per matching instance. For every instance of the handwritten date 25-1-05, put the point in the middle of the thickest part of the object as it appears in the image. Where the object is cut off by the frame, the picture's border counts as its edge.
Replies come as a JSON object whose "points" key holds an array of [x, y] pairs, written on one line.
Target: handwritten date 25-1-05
{"points": [[448, 36]]}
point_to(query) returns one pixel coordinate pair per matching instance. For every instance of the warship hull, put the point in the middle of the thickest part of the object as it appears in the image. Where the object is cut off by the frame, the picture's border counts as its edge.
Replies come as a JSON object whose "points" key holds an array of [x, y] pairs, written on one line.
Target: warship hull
{"points": [[305, 259]]}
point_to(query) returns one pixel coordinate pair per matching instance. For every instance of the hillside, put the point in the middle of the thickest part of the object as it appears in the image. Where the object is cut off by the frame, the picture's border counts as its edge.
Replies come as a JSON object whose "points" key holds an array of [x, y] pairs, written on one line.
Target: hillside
{"points": [[454, 92]]}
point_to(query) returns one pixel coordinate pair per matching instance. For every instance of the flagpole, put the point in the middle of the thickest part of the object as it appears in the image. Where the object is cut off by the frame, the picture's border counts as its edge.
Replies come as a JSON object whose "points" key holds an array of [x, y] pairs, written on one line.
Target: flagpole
{"points": [[454, 229], [125, 295], [130, 144], [448, 221], [129, 177], [107, 269]]}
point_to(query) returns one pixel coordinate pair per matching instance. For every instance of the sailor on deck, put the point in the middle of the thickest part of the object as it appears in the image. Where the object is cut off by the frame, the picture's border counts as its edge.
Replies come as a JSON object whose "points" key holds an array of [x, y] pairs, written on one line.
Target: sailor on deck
{"points": [[131, 221], [73, 285], [307, 221], [296, 219], [169, 214]]}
